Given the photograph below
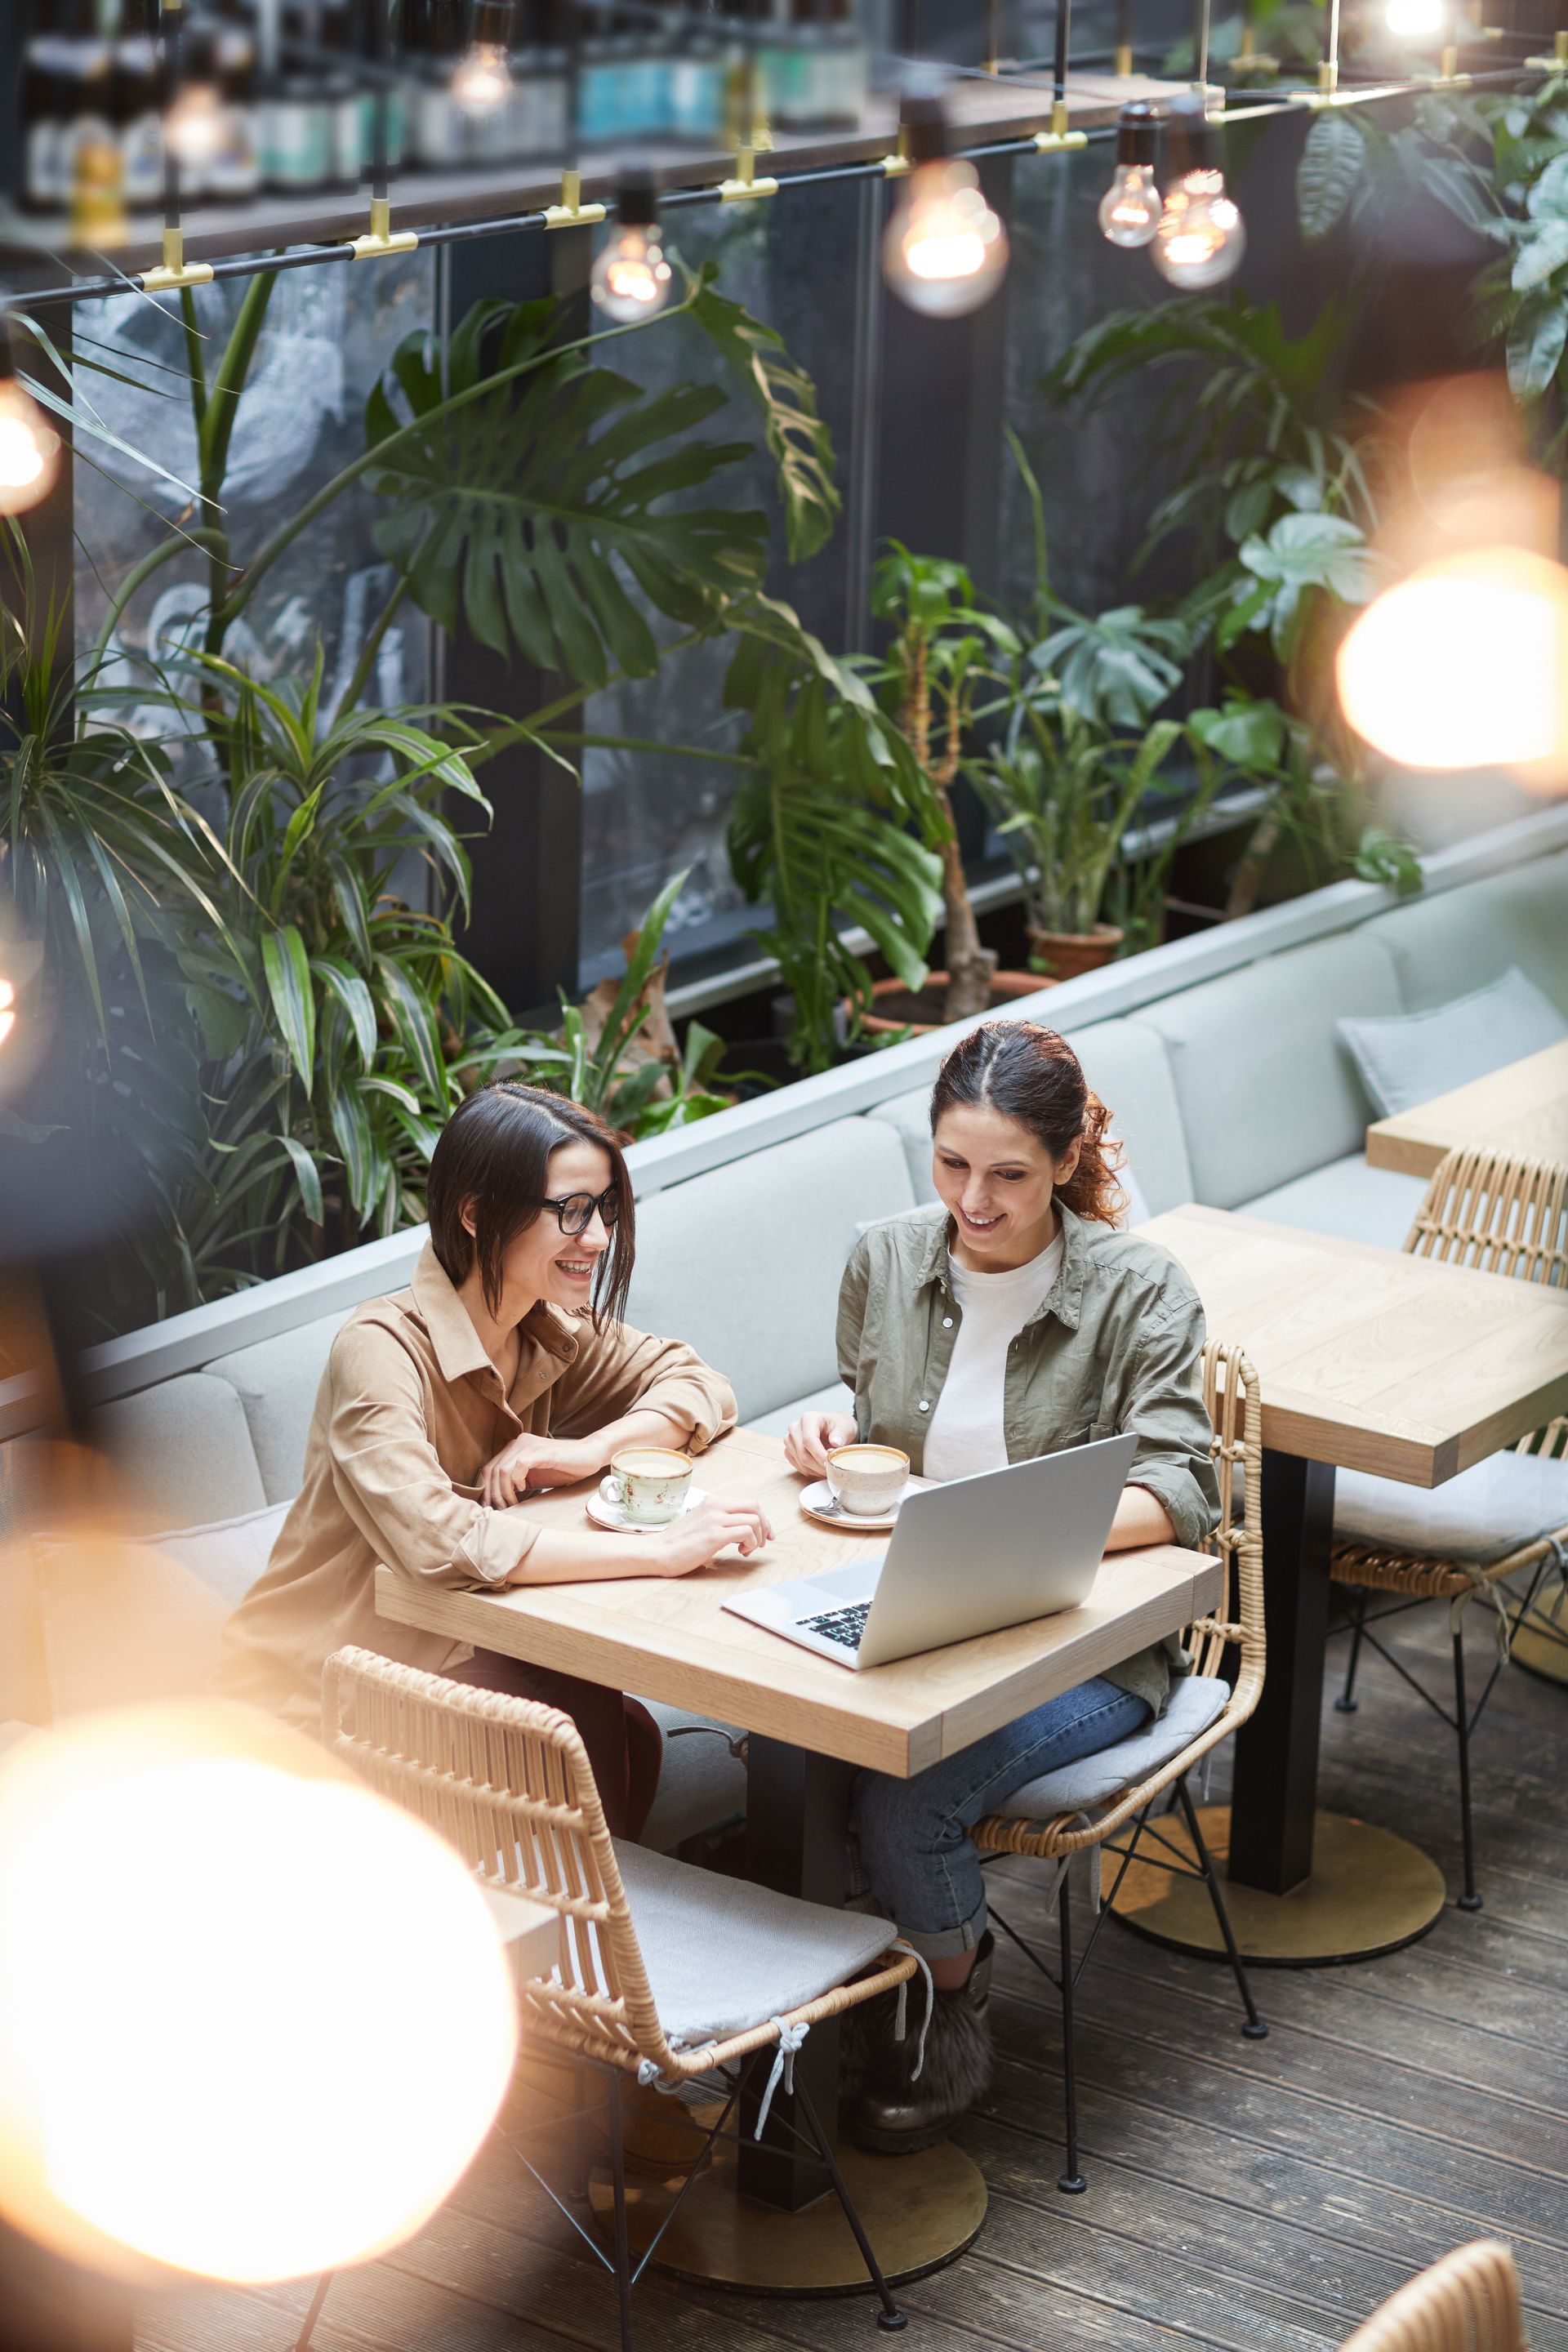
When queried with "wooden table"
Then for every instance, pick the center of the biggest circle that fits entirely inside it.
(1369, 1360)
(811, 1722)
(1521, 1109)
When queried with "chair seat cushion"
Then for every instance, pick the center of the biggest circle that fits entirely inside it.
(1482, 1514)
(701, 1784)
(1093, 1781)
(722, 1955)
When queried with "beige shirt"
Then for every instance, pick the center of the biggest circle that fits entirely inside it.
(409, 1411)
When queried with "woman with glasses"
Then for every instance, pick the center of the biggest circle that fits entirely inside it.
(504, 1366)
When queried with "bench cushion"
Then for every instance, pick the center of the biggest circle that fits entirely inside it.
(276, 1381)
(745, 1263)
(1413, 1056)
(1347, 1198)
(1267, 1090)
(184, 1450)
(835, 1398)
(1460, 940)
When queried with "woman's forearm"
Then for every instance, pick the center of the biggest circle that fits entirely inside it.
(565, 1555)
(1141, 1519)
(644, 1425)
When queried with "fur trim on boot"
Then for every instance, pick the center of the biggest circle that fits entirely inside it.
(897, 2112)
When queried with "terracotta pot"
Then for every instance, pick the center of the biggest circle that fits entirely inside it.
(1066, 953)
(1004, 987)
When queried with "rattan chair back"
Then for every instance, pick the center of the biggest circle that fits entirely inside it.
(1466, 2303)
(1233, 1403)
(508, 1782)
(1496, 1215)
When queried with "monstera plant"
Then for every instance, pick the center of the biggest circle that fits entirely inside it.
(326, 1019)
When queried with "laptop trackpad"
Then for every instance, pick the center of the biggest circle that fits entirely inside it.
(855, 1581)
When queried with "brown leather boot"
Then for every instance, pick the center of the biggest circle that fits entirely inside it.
(899, 2112)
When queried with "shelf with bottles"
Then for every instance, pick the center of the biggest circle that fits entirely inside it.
(279, 112)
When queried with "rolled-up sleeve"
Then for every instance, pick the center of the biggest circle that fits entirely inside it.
(617, 1369)
(1161, 1407)
(389, 1479)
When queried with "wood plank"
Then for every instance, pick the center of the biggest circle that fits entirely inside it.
(671, 1638)
(1521, 1109)
(1369, 1358)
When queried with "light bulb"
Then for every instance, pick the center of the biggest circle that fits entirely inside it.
(29, 449)
(1415, 20)
(1200, 238)
(196, 124)
(271, 1915)
(945, 250)
(483, 78)
(1464, 664)
(631, 278)
(7, 1008)
(1131, 207)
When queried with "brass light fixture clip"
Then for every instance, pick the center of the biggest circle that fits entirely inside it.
(175, 271)
(381, 237)
(745, 182)
(1059, 136)
(572, 212)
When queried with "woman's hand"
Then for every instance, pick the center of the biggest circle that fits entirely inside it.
(813, 1438)
(694, 1539)
(533, 1461)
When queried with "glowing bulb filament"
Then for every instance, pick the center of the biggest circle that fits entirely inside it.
(631, 278)
(945, 249)
(483, 78)
(1130, 208)
(29, 450)
(8, 1009)
(196, 122)
(1200, 238)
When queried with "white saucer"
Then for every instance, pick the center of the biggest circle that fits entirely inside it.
(613, 1516)
(813, 1498)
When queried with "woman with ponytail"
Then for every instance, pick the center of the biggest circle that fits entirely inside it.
(1010, 1321)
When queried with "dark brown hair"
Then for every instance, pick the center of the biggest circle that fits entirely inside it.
(493, 1158)
(1033, 1076)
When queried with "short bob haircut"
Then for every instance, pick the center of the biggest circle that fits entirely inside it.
(493, 1158)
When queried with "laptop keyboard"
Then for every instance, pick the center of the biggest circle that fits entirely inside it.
(844, 1626)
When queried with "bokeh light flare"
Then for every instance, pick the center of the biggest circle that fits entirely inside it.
(255, 2022)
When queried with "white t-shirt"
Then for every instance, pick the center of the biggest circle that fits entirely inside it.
(967, 1430)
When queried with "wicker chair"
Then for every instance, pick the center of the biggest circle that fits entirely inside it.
(1500, 1216)
(1038, 1826)
(508, 1782)
(1466, 2303)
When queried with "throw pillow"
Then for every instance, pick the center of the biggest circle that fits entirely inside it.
(1407, 1059)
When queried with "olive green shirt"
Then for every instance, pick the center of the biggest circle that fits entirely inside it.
(1114, 1347)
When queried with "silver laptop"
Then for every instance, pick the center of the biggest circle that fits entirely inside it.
(967, 1558)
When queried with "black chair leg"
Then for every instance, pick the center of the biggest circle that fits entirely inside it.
(1469, 1900)
(618, 2181)
(890, 2316)
(1346, 1702)
(1254, 2026)
(1072, 2182)
(314, 2310)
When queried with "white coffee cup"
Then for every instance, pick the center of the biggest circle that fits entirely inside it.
(647, 1484)
(868, 1480)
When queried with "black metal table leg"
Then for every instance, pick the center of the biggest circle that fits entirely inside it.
(797, 1811)
(1275, 1795)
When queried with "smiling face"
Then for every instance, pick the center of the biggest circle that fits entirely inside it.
(995, 1180)
(541, 1261)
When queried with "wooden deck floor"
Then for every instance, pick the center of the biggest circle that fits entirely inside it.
(1261, 2196)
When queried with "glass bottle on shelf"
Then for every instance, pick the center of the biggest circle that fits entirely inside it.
(436, 128)
(542, 68)
(696, 97)
(295, 123)
(66, 99)
(235, 173)
(133, 105)
(844, 68)
(341, 91)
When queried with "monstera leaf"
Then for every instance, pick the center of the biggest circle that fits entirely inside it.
(537, 508)
(797, 440)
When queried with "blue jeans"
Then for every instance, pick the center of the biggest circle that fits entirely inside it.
(914, 1847)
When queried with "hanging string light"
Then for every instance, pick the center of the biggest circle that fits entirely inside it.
(631, 278)
(1200, 238)
(945, 251)
(195, 119)
(483, 78)
(29, 447)
(1131, 207)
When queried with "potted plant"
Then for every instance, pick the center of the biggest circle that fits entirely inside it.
(944, 650)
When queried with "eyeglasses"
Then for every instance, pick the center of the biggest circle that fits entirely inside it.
(574, 1214)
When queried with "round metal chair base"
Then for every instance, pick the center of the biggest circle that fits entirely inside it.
(1539, 1651)
(919, 2212)
(1369, 1891)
